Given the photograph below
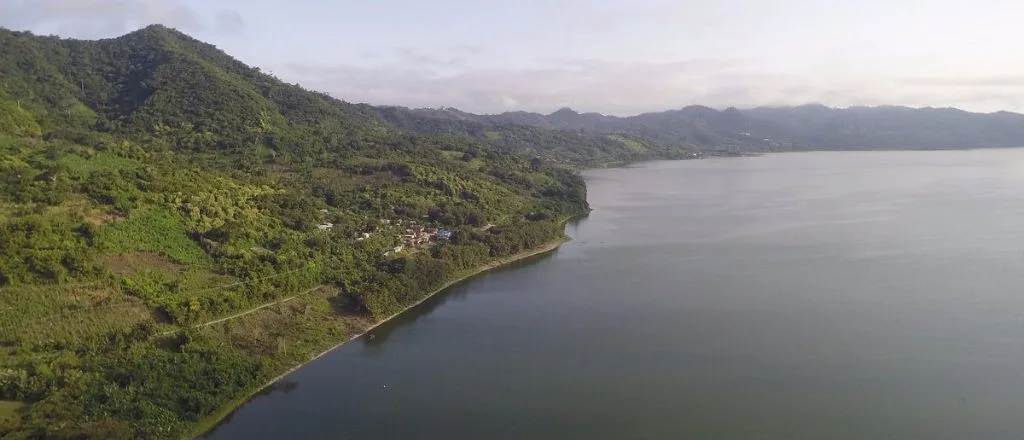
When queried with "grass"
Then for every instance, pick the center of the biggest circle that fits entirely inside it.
(104, 161)
(452, 155)
(84, 326)
(70, 313)
(630, 144)
(155, 230)
(9, 409)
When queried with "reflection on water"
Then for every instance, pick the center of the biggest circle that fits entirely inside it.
(284, 386)
(457, 292)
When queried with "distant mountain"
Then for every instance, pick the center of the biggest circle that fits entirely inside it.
(538, 135)
(808, 127)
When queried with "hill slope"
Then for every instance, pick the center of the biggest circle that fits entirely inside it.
(153, 190)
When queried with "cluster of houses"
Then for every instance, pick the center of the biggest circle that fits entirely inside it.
(418, 235)
(415, 236)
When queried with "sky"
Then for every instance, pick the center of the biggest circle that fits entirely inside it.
(611, 56)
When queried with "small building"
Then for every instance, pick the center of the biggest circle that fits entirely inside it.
(444, 234)
(325, 226)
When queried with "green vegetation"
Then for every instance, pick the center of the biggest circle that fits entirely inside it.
(573, 147)
(9, 410)
(177, 228)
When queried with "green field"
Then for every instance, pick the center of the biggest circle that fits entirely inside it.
(9, 410)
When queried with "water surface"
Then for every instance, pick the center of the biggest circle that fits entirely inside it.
(871, 295)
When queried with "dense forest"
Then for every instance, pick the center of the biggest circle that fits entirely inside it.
(177, 228)
(809, 127)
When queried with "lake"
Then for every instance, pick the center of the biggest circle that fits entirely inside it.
(860, 295)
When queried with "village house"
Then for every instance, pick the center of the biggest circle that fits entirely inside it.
(394, 251)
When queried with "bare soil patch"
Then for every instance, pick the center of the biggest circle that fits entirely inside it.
(100, 217)
(133, 262)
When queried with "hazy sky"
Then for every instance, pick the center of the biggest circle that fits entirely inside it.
(610, 56)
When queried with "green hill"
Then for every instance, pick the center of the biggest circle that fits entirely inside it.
(532, 137)
(177, 228)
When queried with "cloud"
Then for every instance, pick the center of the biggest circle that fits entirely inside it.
(622, 88)
(608, 86)
(601, 18)
(415, 57)
(106, 18)
(230, 21)
(976, 81)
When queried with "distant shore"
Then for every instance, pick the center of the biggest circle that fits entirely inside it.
(208, 423)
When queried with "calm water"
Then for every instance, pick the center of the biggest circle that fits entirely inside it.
(791, 296)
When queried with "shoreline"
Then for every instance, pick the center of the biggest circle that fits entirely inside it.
(210, 422)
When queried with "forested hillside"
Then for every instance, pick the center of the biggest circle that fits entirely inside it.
(176, 228)
(570, 146)
(809, 127)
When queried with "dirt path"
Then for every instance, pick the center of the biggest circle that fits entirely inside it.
(246, 312)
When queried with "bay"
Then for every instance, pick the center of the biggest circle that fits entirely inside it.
(853, 295)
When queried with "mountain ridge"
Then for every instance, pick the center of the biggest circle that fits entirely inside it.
(781, 128)
(808, 105)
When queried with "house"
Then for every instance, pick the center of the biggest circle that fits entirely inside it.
(394, 250)
(444, 234)
(325, 226)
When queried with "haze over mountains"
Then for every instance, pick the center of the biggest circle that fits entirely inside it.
(808, 127)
